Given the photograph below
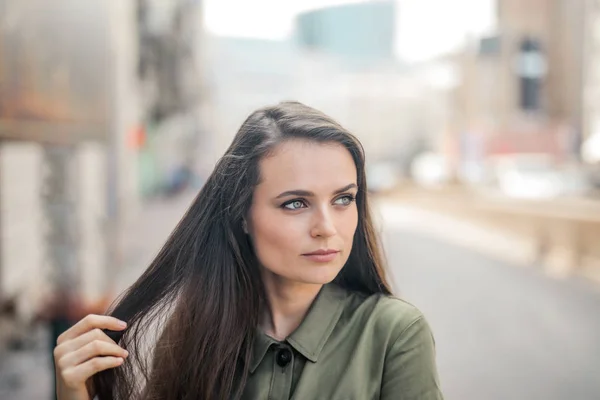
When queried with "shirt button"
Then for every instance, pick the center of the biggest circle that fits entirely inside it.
(283, 357)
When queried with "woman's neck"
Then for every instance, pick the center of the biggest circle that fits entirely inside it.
(288, 303)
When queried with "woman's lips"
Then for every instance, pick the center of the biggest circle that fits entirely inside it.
(322, 256)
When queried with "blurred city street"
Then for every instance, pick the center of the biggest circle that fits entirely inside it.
(480, 122)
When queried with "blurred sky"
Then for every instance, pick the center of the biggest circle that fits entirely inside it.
(425, 27)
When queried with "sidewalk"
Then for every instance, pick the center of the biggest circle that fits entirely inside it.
(393, 214)
(26, 374)
(505, 229)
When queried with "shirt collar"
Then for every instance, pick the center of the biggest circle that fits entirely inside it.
(312, 334)
(262, 342)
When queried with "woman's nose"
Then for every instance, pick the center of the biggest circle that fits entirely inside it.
(323, 225)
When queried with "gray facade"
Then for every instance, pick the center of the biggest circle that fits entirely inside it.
(358, 32)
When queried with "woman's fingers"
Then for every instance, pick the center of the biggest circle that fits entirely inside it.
(89, 323)
(95, 348)
(74, 344)
(85, 350)
(75, 376)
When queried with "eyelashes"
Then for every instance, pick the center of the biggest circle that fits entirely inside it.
(297, 204)
(349, 197)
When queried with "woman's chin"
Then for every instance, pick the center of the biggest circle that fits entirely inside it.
(321, 277)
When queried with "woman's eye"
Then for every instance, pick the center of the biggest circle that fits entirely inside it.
(294, 205)
(344, 200)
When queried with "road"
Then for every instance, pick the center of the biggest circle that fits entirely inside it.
(503, 332)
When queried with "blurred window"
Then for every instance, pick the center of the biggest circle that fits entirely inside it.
(490, 46)
(531, 68)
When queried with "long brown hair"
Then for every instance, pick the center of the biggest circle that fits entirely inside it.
(201, 295)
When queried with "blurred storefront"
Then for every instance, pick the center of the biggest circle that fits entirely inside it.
(521, 87)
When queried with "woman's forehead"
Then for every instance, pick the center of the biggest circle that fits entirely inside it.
(302, 164)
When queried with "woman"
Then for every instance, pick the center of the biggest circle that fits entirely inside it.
(271, 286)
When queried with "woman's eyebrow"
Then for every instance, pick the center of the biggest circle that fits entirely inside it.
(306, 193)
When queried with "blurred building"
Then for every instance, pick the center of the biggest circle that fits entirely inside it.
(340, 60)
(68, 83)
(242, 75)
(392, 109)
(521, 87)
(361, 32)
(92, 99)
(591, 82)
(349, 70)
(170, 37)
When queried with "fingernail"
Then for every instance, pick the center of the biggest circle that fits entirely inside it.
(122, 324)
(126, 353)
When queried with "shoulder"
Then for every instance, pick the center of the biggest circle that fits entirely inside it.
(395, 312)
(399, 342)
(410, 360)
(397, 317)
(388, 317)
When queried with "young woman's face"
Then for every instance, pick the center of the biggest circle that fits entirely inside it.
(303, 214)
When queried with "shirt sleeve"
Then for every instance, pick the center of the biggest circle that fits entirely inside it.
(410, 371)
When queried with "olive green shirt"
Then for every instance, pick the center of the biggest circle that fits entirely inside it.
(348, 347)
